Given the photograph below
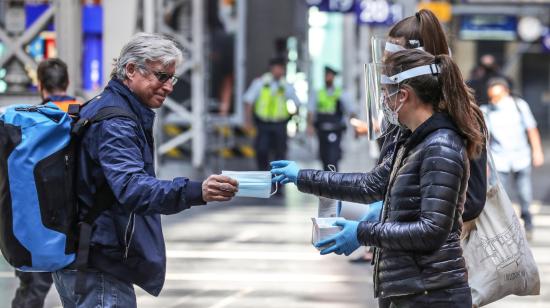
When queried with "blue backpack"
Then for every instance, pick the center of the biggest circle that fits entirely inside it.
(40, 229)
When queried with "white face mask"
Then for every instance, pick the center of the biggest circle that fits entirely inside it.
(391, 115)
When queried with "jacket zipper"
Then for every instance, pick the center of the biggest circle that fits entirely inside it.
(383, 217)
(128, 241)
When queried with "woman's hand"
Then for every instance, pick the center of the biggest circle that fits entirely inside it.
(285, 171)
(345, 242)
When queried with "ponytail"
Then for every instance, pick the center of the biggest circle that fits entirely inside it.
(458, 101)
(431, 33)
(425, 28)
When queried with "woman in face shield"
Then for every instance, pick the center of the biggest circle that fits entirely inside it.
(418, 261)
(354, 186)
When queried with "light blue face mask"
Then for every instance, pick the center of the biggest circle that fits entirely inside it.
(256, 184)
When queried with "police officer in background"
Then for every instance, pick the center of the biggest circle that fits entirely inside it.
(328, 110)
(266, 107)
(53, 80)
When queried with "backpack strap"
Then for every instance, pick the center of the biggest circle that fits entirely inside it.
(113, 112)
(103, 198)
(106, 113)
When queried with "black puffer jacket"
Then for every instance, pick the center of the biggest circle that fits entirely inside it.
(418, 239)
(476, 194)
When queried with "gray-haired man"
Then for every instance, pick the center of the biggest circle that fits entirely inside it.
(116, 155)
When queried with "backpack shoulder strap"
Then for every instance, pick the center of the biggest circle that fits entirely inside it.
(112, 112)
(523, 122)
(104, 197)
(105, 113)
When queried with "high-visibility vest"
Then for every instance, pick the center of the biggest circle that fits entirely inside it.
(271, 107)
(328, 104)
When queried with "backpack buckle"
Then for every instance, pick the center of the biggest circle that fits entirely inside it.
(73, 110)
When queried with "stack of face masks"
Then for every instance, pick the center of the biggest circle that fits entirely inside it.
(323, 228)
(255, 184)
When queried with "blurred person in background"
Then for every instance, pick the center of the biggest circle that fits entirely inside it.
(481, 74)
(515, 143)
(328, 110)
(266, 108)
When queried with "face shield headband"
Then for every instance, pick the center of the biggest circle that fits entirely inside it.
(430, 69)
(391, 47)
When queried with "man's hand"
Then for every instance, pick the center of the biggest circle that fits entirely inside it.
(219, 188)
(538, 159)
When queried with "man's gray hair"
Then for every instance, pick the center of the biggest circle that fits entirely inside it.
(143, 48)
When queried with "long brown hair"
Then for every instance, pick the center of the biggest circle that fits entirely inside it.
(425, 28)
(446, 92)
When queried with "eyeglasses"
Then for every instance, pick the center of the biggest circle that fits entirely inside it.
(163, 77)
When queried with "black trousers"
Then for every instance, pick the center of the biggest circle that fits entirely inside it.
(270, 143)
(330, 149)
(460, 297)
(32, 290)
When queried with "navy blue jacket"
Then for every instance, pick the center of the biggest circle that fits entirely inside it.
(127, 240)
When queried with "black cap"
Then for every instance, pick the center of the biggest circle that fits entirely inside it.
(277, 61)
(329, 69)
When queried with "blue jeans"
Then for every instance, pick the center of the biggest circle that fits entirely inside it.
(102, 291)
(520, 181)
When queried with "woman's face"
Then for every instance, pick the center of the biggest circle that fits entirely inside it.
(394, 40)
(397, 40)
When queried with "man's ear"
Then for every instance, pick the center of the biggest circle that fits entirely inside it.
(131, 70)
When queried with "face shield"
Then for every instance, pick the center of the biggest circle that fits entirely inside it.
(378, 91)
(382, 46)
(383, 83)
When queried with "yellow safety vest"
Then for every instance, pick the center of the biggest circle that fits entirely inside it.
(328, 104)
(271, 107)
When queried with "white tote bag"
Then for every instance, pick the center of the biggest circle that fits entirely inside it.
(498, 257)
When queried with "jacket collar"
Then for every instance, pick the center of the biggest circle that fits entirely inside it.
(437, 121)
(145, 114)
(58, 98)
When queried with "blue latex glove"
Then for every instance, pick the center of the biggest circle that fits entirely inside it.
(345, 242)
(373, 213)
(285, 171)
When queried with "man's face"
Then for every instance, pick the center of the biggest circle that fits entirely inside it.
(497, 92)
(146, 85)
(329, 78)
(277, 71)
